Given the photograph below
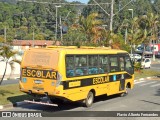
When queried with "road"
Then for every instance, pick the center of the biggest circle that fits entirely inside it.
(7, 82)
(144, 97)
(155, 66)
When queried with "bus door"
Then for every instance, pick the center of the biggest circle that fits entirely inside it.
(122, 83)
(125, 65)
(122, 69)
(128, 65)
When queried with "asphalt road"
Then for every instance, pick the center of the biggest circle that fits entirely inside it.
(155, 66)
(7, 82)
(144, 97)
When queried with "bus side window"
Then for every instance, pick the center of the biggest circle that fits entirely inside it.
(114, 64)
(128, 67)
(103, 64)
(81, 65)
(70, 66)
(93, 64)
(122, 63)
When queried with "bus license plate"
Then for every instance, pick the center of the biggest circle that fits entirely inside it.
(38, 81)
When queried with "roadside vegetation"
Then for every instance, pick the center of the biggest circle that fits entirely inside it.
(8, 56)
(82, 25)
(10, 94)
(143, 73)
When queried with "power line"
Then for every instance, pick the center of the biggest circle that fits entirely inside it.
(72, 4)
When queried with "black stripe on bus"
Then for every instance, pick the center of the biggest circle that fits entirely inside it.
(94, 81)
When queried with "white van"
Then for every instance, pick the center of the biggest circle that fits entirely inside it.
(146, 63)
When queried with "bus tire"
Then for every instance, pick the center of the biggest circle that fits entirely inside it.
(89, 100)
(123, 94)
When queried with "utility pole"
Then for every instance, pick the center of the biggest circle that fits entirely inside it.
(126, 32)
(33, 38)
(132, 32)
(56, 21)
(61, 29)
(5, 34)
(111, 16)
(154, 50)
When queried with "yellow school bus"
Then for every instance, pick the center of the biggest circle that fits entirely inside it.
(76, 74)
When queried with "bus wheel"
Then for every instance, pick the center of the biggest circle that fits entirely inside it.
(89, 100)
(124, 93)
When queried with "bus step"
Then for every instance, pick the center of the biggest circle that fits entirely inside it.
(41, 103)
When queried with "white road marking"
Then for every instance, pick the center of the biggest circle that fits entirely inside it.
(137, 82)
(148, 83)
(155, 85)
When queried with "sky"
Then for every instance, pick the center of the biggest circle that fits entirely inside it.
(82, 1)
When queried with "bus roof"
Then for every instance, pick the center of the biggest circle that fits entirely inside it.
(81, 50)
(86, 50)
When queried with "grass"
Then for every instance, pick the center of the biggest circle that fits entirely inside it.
(10, 94)
(146, 73)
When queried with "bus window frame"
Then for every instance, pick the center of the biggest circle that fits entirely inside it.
(79, 67)
(131, 63)
(124, 55)
(74, 55)
(75, 67)
(108, 65)
(97, 66)
(118, 68)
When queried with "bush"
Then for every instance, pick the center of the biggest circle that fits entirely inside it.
(137, 66)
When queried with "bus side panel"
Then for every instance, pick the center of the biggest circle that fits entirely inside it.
(61, 65)
(76, 94)
(114, 87)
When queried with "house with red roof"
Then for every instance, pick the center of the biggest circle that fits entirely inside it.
(22, 45)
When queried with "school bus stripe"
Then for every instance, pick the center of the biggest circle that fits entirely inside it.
(90, 81)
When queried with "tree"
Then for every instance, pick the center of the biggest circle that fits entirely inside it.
(74, 37)
(8, 57)
(134, 33)
(91, 26)
(156, 6)
(1, 39)
(151, 24)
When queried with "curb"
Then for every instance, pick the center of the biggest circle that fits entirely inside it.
(147, 78)
(13, 105)
(15, 78)
(6, 106)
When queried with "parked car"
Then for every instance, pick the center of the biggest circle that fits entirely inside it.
(145, 63)
(158, 54)
(135, 57)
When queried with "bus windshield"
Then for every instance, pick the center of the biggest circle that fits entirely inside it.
(44, 58)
